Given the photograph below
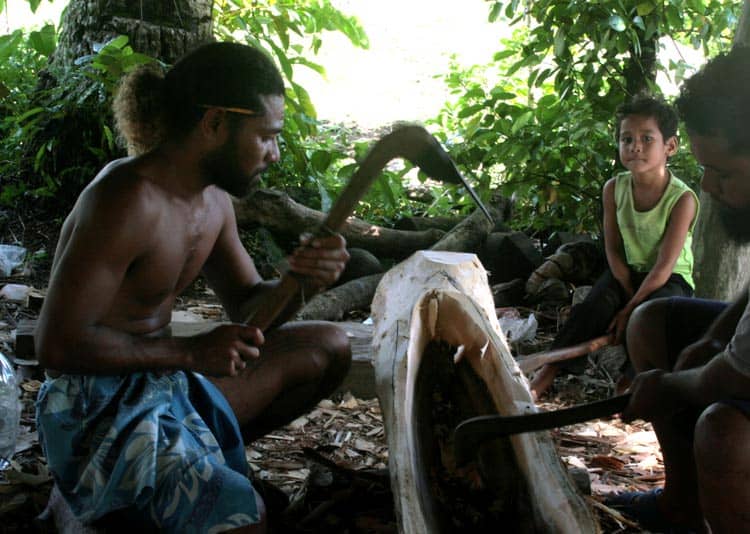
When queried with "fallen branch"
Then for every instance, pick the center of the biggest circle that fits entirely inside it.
(277, 212)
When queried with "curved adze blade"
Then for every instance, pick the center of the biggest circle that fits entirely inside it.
(412, 143)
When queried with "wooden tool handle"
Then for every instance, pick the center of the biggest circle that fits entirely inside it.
(266, 310)
(534, 361)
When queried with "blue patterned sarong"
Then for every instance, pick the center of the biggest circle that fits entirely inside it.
(165, 447)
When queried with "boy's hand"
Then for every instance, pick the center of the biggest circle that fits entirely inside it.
(618, 325)
(321, 259)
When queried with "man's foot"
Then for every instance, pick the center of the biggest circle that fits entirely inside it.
(542, 380)
(643, 507)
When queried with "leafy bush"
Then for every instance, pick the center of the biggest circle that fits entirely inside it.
(67, 107)
(537, 123)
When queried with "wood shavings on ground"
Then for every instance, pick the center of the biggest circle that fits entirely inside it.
(331, 464)
(348, 432)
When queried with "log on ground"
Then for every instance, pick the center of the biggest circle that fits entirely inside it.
(281, 215)
(440, 356)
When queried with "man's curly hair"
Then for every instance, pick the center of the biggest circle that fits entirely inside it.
(716, 100)
(138, 109)
(151, 105)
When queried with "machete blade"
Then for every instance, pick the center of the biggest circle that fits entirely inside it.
(471, 433)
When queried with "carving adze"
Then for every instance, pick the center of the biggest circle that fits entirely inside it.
(412, 143)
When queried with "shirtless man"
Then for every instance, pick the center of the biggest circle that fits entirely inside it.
(693, 355)
(137, 424)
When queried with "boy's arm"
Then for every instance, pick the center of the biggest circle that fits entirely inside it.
(680, 220)
(613, 245)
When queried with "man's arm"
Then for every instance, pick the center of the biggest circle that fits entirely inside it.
(109, 232)
(233, 276)
(659, 394)
(716, 337)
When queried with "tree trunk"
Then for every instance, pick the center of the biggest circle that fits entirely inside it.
(721, 265)
(441, 357)
(164, 29)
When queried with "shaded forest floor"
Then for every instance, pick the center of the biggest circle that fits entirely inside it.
(332, 463)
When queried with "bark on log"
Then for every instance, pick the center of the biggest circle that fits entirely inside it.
(333, 304)
(424, 223)
(469, 235)
(437, 297)
(281, 215)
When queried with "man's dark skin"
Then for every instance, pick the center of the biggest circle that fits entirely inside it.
(143, 230)
(708, 474)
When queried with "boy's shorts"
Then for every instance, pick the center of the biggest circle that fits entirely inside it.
(164, 449)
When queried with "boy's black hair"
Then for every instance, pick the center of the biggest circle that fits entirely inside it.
(647, 105)
(716, 100)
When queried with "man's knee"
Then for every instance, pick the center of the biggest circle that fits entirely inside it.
(721, 436)
(646, 330)
(649, 316)
(335, 356)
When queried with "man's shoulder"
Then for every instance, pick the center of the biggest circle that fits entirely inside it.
(118, 188)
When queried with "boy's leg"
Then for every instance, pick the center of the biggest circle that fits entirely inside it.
(587, 320)
(300, 363)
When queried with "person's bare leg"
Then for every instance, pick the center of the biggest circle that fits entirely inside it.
(300, 364)
(647, 345)
(543, 379)
(723, 460)
(647, 349)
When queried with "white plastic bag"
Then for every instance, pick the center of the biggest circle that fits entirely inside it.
(11, 256)
(519, 329)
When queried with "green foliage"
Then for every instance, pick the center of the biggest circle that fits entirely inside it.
(537, 123)
(77, 102)
(292, 33)
(72, 102)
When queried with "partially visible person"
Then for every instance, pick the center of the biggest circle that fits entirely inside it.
(142, 429)
(649, 215)
(693, 355)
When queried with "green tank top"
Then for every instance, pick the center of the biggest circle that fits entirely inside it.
(642, 231)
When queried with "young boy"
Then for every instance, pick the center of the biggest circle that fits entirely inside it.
(649, 216)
